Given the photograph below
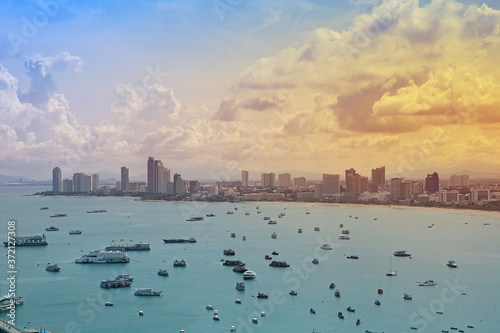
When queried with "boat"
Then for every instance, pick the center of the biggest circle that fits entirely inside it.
(52, 268)
(262, 295)
(37, 240)
(391, 272)
(216, 312)
(358, 322)
(377, 302)
(209, 307)
(274, 253)
(427, 283)
(452, 264)
(240, 286)
(300, 231)
(104, 257)
(266, 218)
(198, 218)
(353, 257)
(255, 320)
(230, 212)
(380, 290)
(407, 296)
(210, 215)
(240, 269)
(337, 293)
(162, 272)
(350, 309)
(125, 277)
(259, 212)
(75, 232)
(141, 313)
(355, 217)
(402, 254)
(244, 238)
(216, 318)
(340, 315)
(274, 235)
(316, 228)
(235, 208)
(232, 328)
(147, 292)
(315, 261)
(44, 208)
(268, 257)
(97, 211)
(341, 225)
(233, 234)
(128, 247)
(346, 232)
(51, 228)
(180, 263)
(180, 240)
(312, 311)
(249, 275)
(233, 263)
(238, 301)
(115, 283)
(326, 247)
(293, 292)
(272, 222)
(332, 285)
(108, 304)
(229, 252)
(279, 264)
(59, 215)
(307, 213)
(345, 237)
(247, 213)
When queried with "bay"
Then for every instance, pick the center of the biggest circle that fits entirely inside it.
(72, 301)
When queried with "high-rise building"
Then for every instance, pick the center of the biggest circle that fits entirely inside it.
(95, 182)
(162, 177)
(397, 188)
(348, 180)
(194, 186)
(378, 176)
(432, 183)
(284, 180)
(151, 175)
(57, 181)
(459, 180)
(318, 190)
(244, 178)
(124, 178)
(300, 181)
(479, 195)
(268, 180)
(67, 186)
(359, 184)
(331, 184)
(179, 186)
(81, 183)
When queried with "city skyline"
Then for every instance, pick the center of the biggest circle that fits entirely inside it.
(316, 86)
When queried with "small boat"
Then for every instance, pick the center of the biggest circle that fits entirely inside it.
(259, 212)
(316, 228)
(326, 247)
(337, 293)
(300, 231)
(210, 215)
(244, 238)
(346, 232)
(262, 295)
(355, 217)
(307, 213)
(59, 215)
(344, 237)
(439, 312)
(274, 235)
(341, 316)
(255, 320)
(427, 283)
(44, 208)
(353, 257)
(216, 317)
(272, 222)
(52, 268)
(274, 253)
(268, 257)
(377, 302)
(247, 213)
(380, 290)
(402, 254)
(230, 212)
(293, 292)
(249, 275)
(233, 234)
(240, 286)
(240, 269)
(341, 225)
(233, 328)
(279, 264)
(216, 311)
(263, 314)
(228, 252)
(162, 272)
(209, 307)
(315, 261)
(52, 228)
(147, 292)
(332, 285)
(108, 304)
(350, 309)
(75, 232)
(452, 264)
(358, 322)
(238, 301)
(391, 273)
(197, 218)
(407, 296)
(141, 313)
(312, 311)
(266, 218)
(97, 211)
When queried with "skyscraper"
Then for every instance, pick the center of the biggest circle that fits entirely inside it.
(244, 178)
(95, 182)
(268, 180)
(124, 178)
(432, 183)
(348, 180)
(397, 188)
(151, 175)
(459, 180)
(284, 180)
(81, 183)
(57, 181)
(331, 184)
(378, 176)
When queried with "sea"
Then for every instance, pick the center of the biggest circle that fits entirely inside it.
(466, 298)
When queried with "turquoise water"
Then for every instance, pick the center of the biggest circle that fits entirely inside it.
(72, 301)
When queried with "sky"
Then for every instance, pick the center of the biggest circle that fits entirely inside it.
(213, 87)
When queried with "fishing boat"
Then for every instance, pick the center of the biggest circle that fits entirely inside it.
(340, 315)
(350, 309)
(407, 296)
(315, 261)
(380, 290)
(75, 232)
(162, 272)
(180, 263)
(228, 252)
(337, 293)
(249, 275)
(312, 311)
(332, 285)
(293, 292)
(326, 247)
(401, 254)
(262, 295)
(52, 268)
(377, 302)
(240, 286)
(51, 228)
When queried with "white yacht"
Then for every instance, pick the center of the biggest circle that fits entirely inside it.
(326, 247)
(104, 257)
(147, 292)
(427, 283)
(452, 264)
(249, 275)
